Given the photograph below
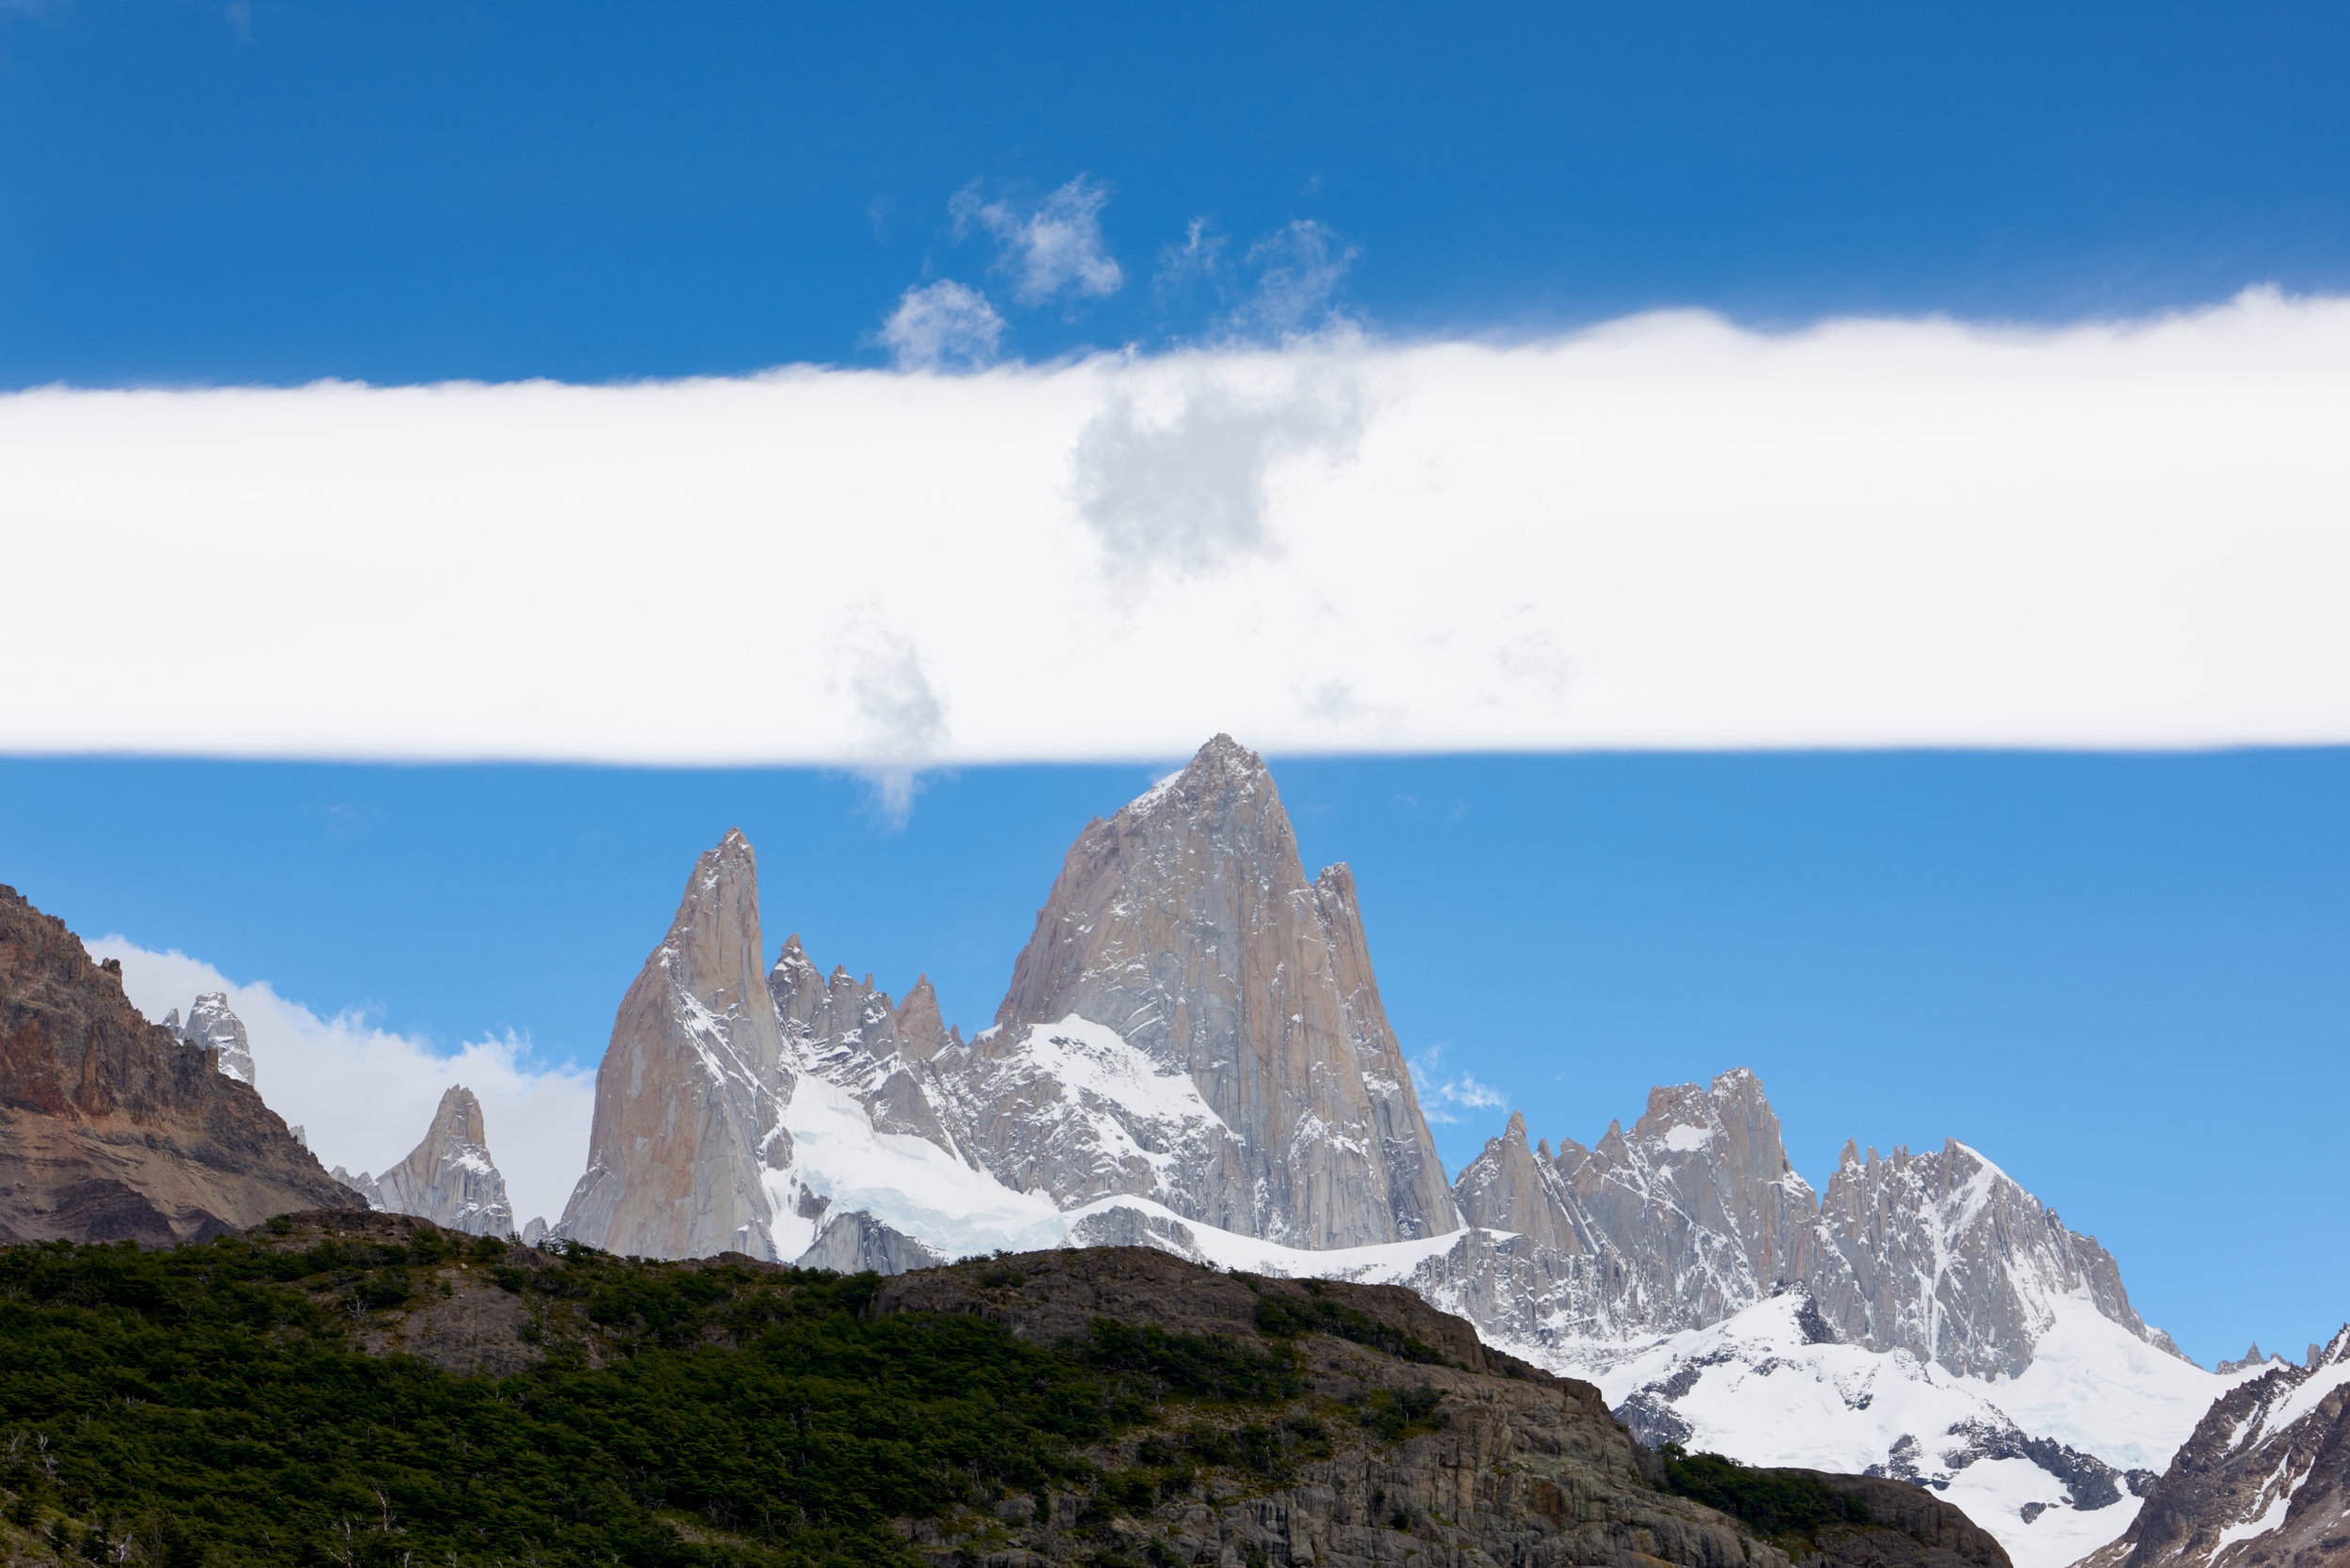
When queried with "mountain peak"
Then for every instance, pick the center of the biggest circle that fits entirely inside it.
(1221, 767)
(460, 1116)
(1185, 925)
(450, 1178)
(685, 1116)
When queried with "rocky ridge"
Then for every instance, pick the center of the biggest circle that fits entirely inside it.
(1697, 1213)
(115, 1128)
(2264, 1479)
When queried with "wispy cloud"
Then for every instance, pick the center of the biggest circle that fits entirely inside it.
(1289, 284)
(1300, 272)
(1053, 247)
(1442, 1097)
(365, 1096)
(943, 326)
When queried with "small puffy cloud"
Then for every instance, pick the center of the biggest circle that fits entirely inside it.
(1442, 1098)
(1183, 486)
(1053, 248)
(942, 325)
(365, 1096)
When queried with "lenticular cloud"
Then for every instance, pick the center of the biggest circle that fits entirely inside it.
(1667, 531)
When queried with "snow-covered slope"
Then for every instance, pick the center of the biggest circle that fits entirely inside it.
(2053, 1463)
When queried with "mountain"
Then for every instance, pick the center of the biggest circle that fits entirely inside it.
(212, 1027)
(2263, 1479)
(1925, 1317)
(111, 1127)
(1192, 1056)
(450, 1178)
(1193, 1022)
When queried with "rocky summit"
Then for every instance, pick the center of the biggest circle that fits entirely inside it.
(1185, 926)
(450, 1178)
(115, 1128)
(210, 1027)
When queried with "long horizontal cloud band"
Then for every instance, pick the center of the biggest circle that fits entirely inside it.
(1666, 532)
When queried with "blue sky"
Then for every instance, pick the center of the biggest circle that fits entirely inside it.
(264, 192)
(1936, 710)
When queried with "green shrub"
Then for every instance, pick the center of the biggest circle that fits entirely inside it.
(1283, 1318)
(212, 1402)
(1768, 1502)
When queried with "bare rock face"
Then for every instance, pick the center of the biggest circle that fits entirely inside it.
(1194, 1022)
(1702, 1209)
(1947, 1255)
(2266, 1478)
(1508, 1188)
(686, 1118)
(1691, 1215)
(450, 1178)
(110, 1127)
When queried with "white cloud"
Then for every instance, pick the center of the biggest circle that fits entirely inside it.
(1441, 1098)
(1054, 247)
(365, 1097)
(1185, 485)
(1662, 532)
(941, 327)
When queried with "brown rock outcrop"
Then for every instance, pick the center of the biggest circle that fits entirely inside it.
(109, 1126)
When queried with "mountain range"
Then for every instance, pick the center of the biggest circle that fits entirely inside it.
(1192, 1056)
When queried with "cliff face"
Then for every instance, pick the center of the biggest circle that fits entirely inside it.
(2264, 1479)
(113, 1128)
(1210, 1016)
(686, 1116)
